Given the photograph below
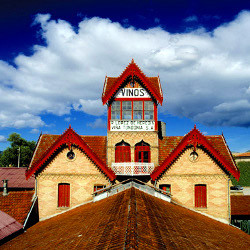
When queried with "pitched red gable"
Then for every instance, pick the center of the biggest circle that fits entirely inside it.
(93, 146)
(17, 204)
(149, 223)
(113, 84)
(171, 147)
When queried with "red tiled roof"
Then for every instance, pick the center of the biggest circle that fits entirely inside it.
(113, 84)
(246, 154)
(240, 204)
(131, 220)
(16, 178)
(17, 204)
(168, 151)
(93, 146)
(8, 225)
(96, 143)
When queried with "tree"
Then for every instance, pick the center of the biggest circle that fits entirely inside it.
(9, 156)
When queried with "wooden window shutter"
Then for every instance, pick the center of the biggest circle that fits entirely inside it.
(63, 195)
(200, 195)
(122, 153)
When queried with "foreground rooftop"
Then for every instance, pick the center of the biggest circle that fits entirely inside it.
(131, 219)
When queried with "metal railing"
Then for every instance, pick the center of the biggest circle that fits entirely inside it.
(132, 168)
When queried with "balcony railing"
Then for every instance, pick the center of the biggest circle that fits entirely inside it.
(132, 168)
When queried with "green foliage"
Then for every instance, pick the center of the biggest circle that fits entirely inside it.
(9, 157)
(244, 181)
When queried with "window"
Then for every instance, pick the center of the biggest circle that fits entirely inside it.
(137, 109)
(122, 152)
(142, 152)
(116, 110)
(148, 110)
(200, 195)
(127, 110)
(98, 187)
(63, 194)
(165, 187)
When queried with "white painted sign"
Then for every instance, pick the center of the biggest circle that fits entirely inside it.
(132, 125)
(132, 93)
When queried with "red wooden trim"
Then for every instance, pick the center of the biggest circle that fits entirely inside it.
(141, 149)
(200, 194)
(109, 117)
(121, 110)
(133, 99)
(143, 110)
(132, 110)
(70, 137)
(131, 70)
(155, 117)
(194, 138)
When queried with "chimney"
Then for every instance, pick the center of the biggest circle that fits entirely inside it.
(161, 129)
(5, 186)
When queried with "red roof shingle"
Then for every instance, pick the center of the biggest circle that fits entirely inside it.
(8, 225)
(131, 220)
(113, 84)
(169, 143)
(16, 178)
(17, 204)
(240, 204)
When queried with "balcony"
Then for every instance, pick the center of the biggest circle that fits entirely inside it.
(132, 168)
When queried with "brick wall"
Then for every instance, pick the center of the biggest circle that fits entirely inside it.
(80, 173)
(184, 174)
(132, 138)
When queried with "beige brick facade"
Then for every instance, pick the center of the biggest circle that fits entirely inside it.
(133, 138)
(184, 174)
(80, 173)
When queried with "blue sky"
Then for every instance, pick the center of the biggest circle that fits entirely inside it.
(54, 57)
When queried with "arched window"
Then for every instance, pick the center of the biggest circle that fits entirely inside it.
(122, 152)
(63, 194)
(142, 152)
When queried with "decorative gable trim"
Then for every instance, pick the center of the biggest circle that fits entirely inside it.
(195, 138)
(69, 138)
(132, 70)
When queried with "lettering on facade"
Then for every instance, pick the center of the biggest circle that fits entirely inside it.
(132, 93)
(121, 125)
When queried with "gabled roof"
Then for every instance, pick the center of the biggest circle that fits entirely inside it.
(113, 84)
(170, 148)
(149, 223)
(246, 154)
(17, 204)
(93, 146)
(16, 178)
(8, 225)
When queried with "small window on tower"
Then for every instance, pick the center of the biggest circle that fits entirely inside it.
(148, 110)
(137, 106)
(126, 110)
(116, 110)
(98, 187)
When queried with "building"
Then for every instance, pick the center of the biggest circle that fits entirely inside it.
(18, 202)
(242, 156)
(130, 219)
(194, 168)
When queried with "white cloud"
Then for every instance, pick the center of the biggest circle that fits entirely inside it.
(191, 19)
(98, 123)
(205, 75)
(34, 131)
(2, 138)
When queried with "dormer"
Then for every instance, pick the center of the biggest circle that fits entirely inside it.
(132, 100)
